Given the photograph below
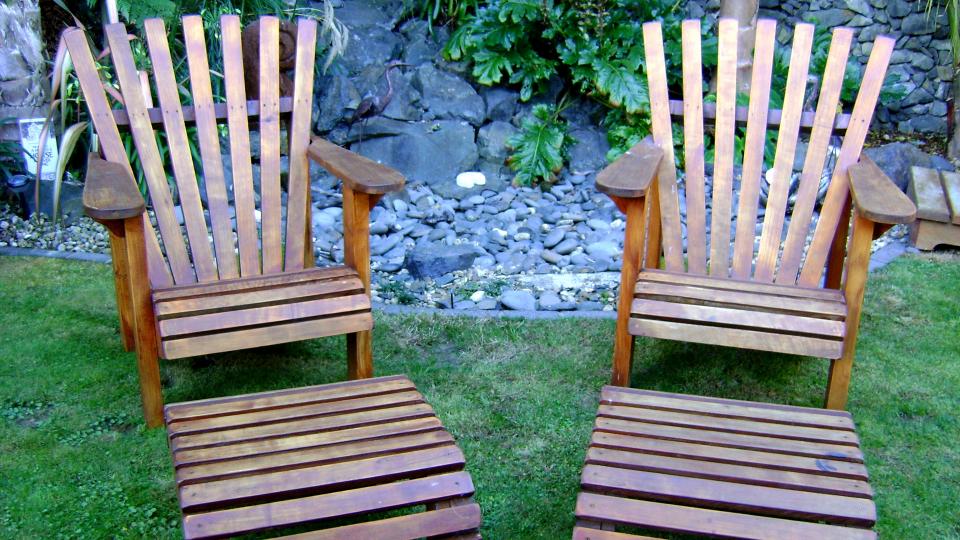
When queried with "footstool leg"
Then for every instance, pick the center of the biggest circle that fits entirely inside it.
(360, 355)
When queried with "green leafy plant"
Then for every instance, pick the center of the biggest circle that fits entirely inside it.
(540, 147)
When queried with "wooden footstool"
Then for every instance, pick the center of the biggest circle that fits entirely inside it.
(328, 455)
(720, 467)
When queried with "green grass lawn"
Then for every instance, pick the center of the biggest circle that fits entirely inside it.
(519, 396)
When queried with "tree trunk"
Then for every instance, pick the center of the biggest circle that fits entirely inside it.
(745, 12)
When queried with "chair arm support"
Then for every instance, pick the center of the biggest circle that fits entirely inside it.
(876, 197)
(110, 192)
(631, 174)
(357, 172)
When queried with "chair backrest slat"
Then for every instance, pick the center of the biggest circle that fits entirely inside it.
(269, 127)
(827, 104)
(720, 222)
(298, 184)
(754, 145)
(837, 195)
(782, 172)
(663, 136)
(149, 155)
(180, 155)
(208, 140)
(239, 131)
(109, 138)
(693, 147)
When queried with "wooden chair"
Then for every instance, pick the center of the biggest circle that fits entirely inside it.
(256, 284)
(770, 294)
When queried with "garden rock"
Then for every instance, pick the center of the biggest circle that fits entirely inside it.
(895, 159)
(337, 98)
(492, 140)
(590, 151)
(433, 261)
(446, 95)
(501, 103)
(518, 300)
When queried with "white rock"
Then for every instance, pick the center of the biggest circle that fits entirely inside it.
(477, 296)
(470, 179)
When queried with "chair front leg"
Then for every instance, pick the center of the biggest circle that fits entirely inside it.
(356, 254)
(632, 254)
(858, 261)
(144, 320)
(121, 281)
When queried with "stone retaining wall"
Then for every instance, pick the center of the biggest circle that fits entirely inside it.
(921, 61)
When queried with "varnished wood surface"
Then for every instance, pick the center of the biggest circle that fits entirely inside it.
(876, 197)
(317, 455)
(631, 174)
(715, 467)
(356, 171)
(110, 192)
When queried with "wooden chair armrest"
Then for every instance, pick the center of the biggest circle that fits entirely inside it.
(357, 172)
(630, 175)
(876, 197)
(110, 192)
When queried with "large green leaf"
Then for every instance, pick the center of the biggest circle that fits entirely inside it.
(489, 67)
(622, 86)
(538, 147)
(519, 10)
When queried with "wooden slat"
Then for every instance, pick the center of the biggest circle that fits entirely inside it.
(269, 127)
(254, 316)
(291, 413)
(662, 131)
(951, 188)
(742, 285)
(733, 456)
(150, 160)
(782, 172)
(208, 139)
(693, 148)
(190, 113)
(686, 519)
(838, 194)
(735, 337)
(239, 146)
(289, 429)
(588, 533)
(770, 501)
(268, 447)
(774, 118)
(729, 425)
(728, 408)
(357, 501)
(723, 148)
(731, 440)
(742, 474)
(109, 137)
(335, 476)
(445, 521)
(926, 191)
(755, 144)
(267, 335)
(298, 185)
(310, 457)
(252, 283)
(814, 161)
(206, 408)
(258, 297)
(180, 155)
(745, 300)
(727, 317)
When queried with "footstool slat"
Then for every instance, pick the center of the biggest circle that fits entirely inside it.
(743, 474)
(715, 467)
(700, 521)
(298, 427)
(458, 519)
(729, 425)
(329, 505)
(734, 456)
(311, 440)
(586, 533)
(320, 454)
(206, 408)
(731, 440)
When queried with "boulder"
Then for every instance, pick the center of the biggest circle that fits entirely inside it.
(501, 103)
(589, 151)
(492, 140)
(895, 159)
(432, 260)
(337, 98)
(447, 96)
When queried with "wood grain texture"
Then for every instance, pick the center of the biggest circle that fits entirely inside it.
(190, 113)
(453, 520)
(632, 252)
(208, 139)
(299, 212)
(723, 148)
(271, 238)
(838, 193)
(755, 145)
(144, 323)
(926, 191)
(694, 147)
(109, 191)
(813, 164)
(774, 118)
(951, 188)
(631, 174)
(780, 176)
(356, 254)
(180, 156)
(876, 197)
(357, 172)
(662, 130)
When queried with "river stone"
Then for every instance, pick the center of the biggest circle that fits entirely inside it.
(435, 260)
(518, 300)
(566, 247)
